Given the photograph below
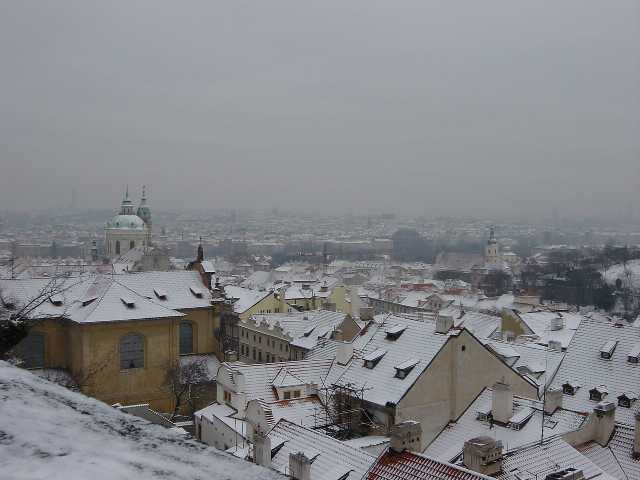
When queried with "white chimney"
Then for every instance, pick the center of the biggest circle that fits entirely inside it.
(355, 302)
(552, 400)
(444, 323)
(636, 438)
(261, 449)
(406, 435)
(502, 402)
(605, 422)
(344, 352)
(483, 455)
(299, 466)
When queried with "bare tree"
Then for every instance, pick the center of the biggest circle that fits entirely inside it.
(16, 318)
(185, 381)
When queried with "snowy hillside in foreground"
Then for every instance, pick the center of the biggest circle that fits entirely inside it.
(617, 271)
(47, 431)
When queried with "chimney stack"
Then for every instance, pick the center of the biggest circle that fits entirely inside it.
(230, 356)
(261, 449)
(366, 314)
(483, 455)
(344, 352)
(406, 435)
(299, 466)
(552, 400)
(502, 402)
(605, 422)
(444, 323)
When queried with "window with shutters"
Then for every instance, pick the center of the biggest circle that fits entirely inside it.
(131, 351)
(31, 350)
(186, 338)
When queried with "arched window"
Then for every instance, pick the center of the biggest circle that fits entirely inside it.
(186, 338)
(132, 244)
(131, 351)
(31, 350)
(117, 247)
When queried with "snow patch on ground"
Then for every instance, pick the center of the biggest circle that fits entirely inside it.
(47, 431)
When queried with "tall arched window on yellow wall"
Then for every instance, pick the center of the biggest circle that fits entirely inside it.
(186, 338)
(132, 244)
(117, 247)
(131, 351)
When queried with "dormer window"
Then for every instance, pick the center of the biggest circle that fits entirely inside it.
(372, 359)
(394, 332)
(607, 349)
(403, 369)
(626, 399)
(570, 388)
(597, 394)
(196, 291)
(634, 355)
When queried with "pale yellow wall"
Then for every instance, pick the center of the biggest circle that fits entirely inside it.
(338, 297)
(268, 304)
(453, 380)
(90, 353)
(511, 322)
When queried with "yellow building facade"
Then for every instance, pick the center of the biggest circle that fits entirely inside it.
(125, 358)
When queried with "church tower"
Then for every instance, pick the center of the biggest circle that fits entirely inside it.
(491, 252)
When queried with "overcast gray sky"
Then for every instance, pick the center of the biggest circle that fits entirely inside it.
(434, 107)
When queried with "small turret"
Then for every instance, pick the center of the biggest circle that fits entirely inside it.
(144, 211)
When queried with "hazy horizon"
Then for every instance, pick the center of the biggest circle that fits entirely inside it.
(490, 109)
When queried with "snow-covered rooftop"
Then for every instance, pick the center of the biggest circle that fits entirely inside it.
(51, 432)
(583, 365)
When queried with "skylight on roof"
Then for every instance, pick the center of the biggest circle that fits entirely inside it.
(128, 301)
(372, 359)
(196, 291)
(161, 293)
(634, 354)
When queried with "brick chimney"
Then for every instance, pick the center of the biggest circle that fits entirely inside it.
(299, 466)
(406, 435)
(483, 455)
(261, 449)
(502, 402)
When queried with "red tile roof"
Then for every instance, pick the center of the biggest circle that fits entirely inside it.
(409, 466)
